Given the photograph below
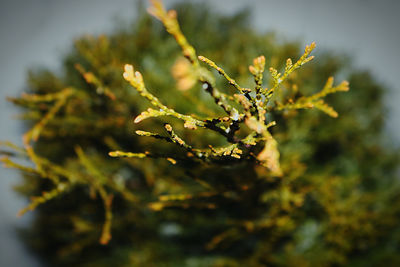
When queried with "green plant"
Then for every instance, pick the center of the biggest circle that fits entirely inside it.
(225, 193)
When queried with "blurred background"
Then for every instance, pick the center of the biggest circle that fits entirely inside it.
(40, 32)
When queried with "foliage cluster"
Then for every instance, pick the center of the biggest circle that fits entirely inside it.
(236, 175)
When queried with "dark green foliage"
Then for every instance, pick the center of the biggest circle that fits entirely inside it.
(336, 203)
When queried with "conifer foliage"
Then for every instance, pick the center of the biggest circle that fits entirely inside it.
(224, 163)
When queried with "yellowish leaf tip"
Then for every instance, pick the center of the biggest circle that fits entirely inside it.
(156, 206)
(139, 132)
(168, 127)
(172, 14)
(128, 74)
(105, 238)
(173, 161)
(113, 154)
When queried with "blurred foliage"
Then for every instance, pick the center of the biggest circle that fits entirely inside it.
(335, 203)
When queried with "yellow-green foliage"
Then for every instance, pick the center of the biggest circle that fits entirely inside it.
(235, 169)
(254, 105)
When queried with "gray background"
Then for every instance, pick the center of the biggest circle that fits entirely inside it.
(39, 32)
